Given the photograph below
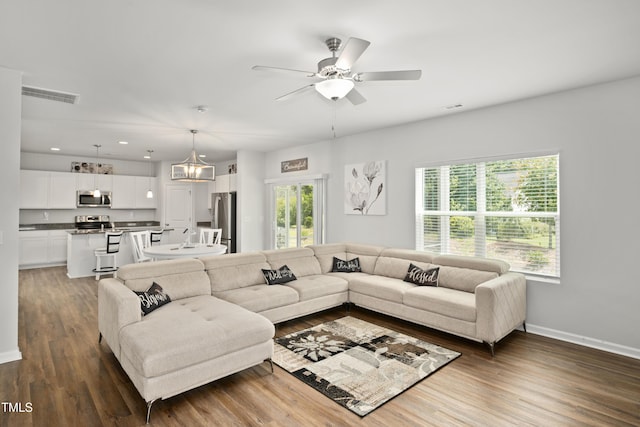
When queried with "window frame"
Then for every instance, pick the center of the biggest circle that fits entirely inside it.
(480, 214)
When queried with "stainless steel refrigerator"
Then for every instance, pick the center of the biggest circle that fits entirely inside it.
(224, 216)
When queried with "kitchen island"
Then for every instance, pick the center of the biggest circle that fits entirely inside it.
(81, 245)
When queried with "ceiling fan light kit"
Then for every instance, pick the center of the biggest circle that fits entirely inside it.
(192, 169)
(334, 89)
(336, 79)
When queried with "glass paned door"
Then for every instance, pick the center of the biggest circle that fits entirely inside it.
(295, 211)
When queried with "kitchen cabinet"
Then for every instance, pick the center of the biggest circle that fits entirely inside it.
(142, 186)
(47, 190)
(223, 184)
(124, 194)
(61, 194)
(88, 181)
(42, 247)
(34, 189)
(130, 192)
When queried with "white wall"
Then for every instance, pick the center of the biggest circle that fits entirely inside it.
(10, 122)
(250, 202)
(597, 132)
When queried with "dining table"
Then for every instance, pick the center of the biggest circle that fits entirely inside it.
(181, 250)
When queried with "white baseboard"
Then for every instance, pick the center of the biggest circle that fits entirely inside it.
(585, 341)
(10, 356)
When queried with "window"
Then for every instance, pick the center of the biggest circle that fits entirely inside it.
(296, 213)
(506, 209)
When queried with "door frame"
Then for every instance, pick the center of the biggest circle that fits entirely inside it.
(319, 202)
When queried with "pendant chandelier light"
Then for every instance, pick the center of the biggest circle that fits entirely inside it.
(149, 191)
(96, 191)
(192, 169)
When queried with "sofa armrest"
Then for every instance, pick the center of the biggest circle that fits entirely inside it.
(501, 306)
(118, 307)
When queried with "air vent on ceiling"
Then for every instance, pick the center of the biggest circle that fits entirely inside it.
(51, 95)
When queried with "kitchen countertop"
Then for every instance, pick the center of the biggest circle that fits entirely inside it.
(120, 225)
(123, 229)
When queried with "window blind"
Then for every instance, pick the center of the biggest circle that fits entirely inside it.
(506, 209)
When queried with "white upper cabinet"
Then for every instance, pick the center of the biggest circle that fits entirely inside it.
(130, 192)
(34, 189)
(47, 190)
(124, 192)
(61, 190)
(57, 190)
(143, 185)
(88, 181)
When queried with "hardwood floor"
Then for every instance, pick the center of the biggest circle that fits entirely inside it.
(71, 380)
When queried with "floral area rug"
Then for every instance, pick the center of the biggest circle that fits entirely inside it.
(357, 364)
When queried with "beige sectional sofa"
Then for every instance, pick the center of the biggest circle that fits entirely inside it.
(222, 312)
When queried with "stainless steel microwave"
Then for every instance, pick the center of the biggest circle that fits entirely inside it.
(86, 199)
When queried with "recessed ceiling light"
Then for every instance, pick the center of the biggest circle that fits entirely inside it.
(54, 149)
(122, 142)
(202, 108)
(147, 156)
(202, 155)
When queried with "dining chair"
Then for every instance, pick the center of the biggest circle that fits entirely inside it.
(210, 236)
(140, 240)
(109, 251)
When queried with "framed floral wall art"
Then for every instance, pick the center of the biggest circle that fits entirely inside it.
(365, 188)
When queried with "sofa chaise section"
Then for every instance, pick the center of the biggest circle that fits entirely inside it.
(193, 340)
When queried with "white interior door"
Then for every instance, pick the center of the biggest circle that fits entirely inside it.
(178, 211)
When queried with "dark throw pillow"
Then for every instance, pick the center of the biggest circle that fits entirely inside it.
(421, 277)
(342, 266)
(152, 298)
(279, 276)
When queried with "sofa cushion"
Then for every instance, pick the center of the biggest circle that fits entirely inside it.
(344, 266)
(152, 298)
(447, 302)
(180, 334)
(180, 278)
(325, 253)
(279, 276)
(380, 287)
(463, 279)
(233, 271)
(259, 298)
(420, 277)
(310, 287)
(397, 267)
(301, 261)
(473, 263)
(367, 255)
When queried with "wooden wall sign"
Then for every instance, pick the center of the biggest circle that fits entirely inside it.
(294, 165)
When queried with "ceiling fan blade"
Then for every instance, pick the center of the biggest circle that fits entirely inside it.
(284, 70)
(388, 75)
(355, 97)
(295, 92)
(351, 52)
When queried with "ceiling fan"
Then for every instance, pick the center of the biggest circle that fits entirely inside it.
(337, 81)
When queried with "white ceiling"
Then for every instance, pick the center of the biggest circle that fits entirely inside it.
(142, 66)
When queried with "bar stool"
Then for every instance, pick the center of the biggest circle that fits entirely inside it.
(110, 251)
(156, 236)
